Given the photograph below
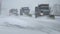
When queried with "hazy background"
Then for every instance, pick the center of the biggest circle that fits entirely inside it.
(9, 4)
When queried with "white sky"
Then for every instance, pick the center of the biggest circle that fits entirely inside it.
(30, 3)
(9, 4)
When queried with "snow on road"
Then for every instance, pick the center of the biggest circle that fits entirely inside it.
(42, 24)
(14, 30)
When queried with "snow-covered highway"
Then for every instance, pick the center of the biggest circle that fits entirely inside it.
(29, 25)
